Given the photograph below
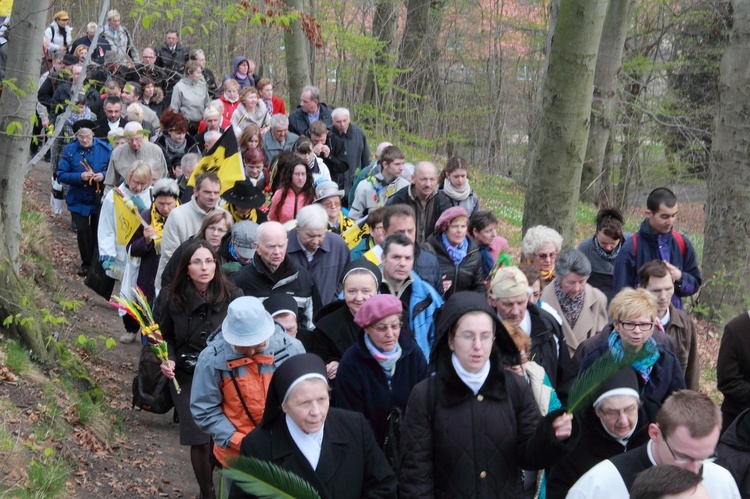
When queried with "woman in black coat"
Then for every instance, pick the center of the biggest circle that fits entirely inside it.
(332, 449)
(335, 330)
(459, 256)
(192, 306)
(471, 427)
(376, 374)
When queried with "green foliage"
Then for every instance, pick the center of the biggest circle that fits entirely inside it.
(16, 358)
(589, 381)
(47, 476)
(91, 345)
(267, 480)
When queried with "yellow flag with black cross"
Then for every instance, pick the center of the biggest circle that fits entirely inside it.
(127, 218)
(224, 160)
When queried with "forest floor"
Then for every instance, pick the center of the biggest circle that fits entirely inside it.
(122, 453)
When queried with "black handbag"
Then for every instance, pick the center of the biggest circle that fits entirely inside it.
(97, 279)
(150, 387)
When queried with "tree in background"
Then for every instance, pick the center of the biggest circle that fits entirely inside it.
(558, 153)
(726, 268)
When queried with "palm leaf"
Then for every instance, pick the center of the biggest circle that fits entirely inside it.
(589, 381)
(268, 481)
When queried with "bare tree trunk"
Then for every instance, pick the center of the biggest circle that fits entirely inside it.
(608, 64)
(384, 26)
(27, 22)
(629, 164)
(727, 232)
(297, 58)
(555, 177)
(410, 54)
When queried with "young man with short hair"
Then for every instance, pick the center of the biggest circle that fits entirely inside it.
(656, 240)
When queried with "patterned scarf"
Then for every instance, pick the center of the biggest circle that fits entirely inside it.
(387, 360)
(643, 366)
(609, 257)
(157, 222)
(456, 253)
(252, 215)
(571, 305)
(456, 194)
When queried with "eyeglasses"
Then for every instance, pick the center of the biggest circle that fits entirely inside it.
(382, 328)
(200, 263)
(631, 326)
(468, 337)
(687, 459)
(545, 256)
(332, 204)
(216, 230)
(614, 414)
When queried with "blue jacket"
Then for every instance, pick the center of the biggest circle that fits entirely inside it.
(423, 304)
(82, 198)
(628, 263)
(361, 384)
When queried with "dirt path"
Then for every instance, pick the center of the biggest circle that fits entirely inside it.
(148, 460)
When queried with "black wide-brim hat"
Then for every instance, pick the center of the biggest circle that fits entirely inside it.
(83, 124)
(245, 195)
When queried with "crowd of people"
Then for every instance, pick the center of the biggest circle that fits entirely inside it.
(356, 319)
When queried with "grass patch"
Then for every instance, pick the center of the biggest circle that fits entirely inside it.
(16, 358)
(47, 477)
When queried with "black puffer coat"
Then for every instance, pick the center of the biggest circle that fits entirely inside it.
(456, 444)
(467, 275)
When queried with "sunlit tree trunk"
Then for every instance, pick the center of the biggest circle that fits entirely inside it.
(608, 64)
(17, 103)
(555, 175)
(726, 269)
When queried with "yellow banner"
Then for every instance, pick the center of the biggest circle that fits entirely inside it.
(354, 234)
(127, 219)
(224, 160)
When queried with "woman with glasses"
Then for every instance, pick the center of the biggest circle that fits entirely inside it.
(191, 307)
(582, 307)
(328, 194)
(216, 227)
(471, 427)
(377, 374)
(540, 247)
(633, 313)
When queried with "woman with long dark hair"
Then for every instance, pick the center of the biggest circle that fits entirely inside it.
(190, 309)
(295, 190)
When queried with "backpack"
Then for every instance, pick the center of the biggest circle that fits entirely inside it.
(150, 386)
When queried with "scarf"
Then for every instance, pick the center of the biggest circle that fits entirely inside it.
(457, 254)
(473, 380)
(456, 194)
(157, 222)
(643, 366)
(387, 360)
(571, 306)
(609, 257)
(138, 202)
(252, 215)
(173, 147)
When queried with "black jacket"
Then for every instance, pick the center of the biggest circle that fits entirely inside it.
(467, 276)
(336, 160)
(257, 280)
(335, 331)
(734, 452)
(458, 445)
(102, 127)
(351, 465)
(298, 119)
(733, 368)
(595, 446)
(425, 219)
(550, 353)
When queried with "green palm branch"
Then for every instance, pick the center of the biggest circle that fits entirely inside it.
(589, 381)
(268, 481)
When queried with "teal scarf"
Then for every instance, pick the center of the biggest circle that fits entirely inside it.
(387, 360)
(643, 366)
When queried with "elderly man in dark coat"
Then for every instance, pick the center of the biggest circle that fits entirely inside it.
(355, 142)
(322, 253)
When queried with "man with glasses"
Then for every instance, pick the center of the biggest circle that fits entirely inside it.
(185, 220)
(685, 435)
(137, 148)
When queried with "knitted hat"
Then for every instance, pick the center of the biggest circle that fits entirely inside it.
(247, 323)
(507, 283)
(448, 215)
(377, 308)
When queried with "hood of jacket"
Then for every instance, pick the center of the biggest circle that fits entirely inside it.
(236, 62)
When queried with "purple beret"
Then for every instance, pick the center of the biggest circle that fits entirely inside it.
(448, 215)
(377, 308)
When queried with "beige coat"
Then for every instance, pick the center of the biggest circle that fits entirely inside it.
(593, 316)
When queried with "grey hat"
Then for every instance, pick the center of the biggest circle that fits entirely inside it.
(327, 189)
(244, 235)
(247, 323)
